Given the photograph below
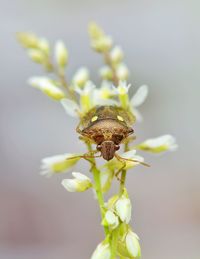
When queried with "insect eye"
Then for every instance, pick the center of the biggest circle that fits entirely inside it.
(99, 147)
(117, 147)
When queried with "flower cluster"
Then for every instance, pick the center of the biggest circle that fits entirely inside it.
(78, 96)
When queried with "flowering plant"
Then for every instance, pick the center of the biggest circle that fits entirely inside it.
(78, 96)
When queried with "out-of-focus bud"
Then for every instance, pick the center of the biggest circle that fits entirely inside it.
(37, 56)
(159, 144)
(43, 45)
(80, 183)
(95, 31)
(61, 54)
(106, 73)
(122, 72)
(58, 164)
(102, 44)
(81, 77)
(28, 40)
(116, 55)
(132, 245)
(102, 251)
(110, 220)
(123, 209)
(48, 87)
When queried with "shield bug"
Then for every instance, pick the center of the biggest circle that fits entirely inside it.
(107, 127)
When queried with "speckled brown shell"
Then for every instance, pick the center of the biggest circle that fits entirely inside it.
(107, 125)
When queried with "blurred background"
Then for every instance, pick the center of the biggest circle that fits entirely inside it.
(39, 219)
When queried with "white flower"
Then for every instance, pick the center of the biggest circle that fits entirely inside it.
(58, 164)
(132, 245)
(116, 55)
(86, 96)
(159, 144)
(71, 107)
(123, 209)
(122, 88)
(104, 94)
(110, 220)
(102, 251)
(47, 86)
(122, 91)
(138, 98)
(81, 77)
(61, 54)
(80, 183)
(122, 72)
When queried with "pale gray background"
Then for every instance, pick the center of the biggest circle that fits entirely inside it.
(161, 39)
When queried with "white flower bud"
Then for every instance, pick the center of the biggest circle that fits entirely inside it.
(28, 40)
(80, 183)
(132, 245)
(122, 72)
(116, 55)
(111, 219)
(103, 44)
(81, 77)
(36, 55)
(106, 73)
(48, 87)
(43, 45)
(58, 164)
(61, 54)
(123, 209)
(102, 251)
(159, 144)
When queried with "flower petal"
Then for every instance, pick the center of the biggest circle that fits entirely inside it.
(140, 96)
(70, 107)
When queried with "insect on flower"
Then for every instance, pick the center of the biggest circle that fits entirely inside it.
(107, 127)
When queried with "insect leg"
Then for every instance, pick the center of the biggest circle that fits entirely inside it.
(78, 130)
(121, 168)
(87, 156)
(131, 160)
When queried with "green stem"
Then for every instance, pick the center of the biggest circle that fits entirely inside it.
(114, 239)
(123, 174)
(97, 186)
